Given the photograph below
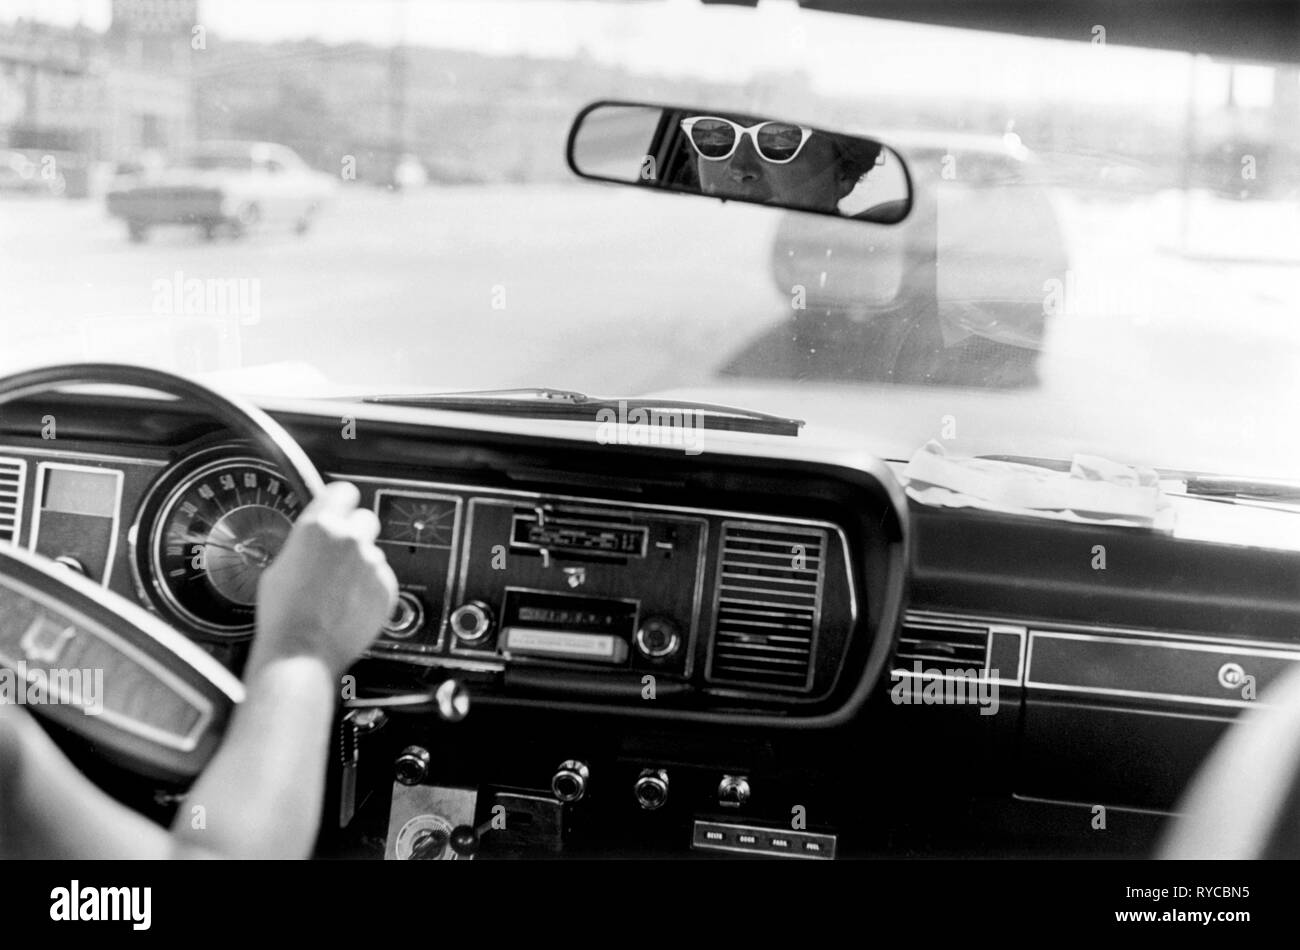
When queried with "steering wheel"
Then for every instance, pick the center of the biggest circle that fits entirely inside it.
(139, 692)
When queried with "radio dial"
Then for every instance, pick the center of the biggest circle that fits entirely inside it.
(657, 638)
(406, 618)
(471, 621)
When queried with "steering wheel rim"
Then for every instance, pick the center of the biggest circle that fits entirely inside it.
(52, 615)
(235, 413)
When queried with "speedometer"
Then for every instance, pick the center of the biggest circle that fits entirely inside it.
(213, 535)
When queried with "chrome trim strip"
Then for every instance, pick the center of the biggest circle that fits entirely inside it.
(88, 456)
(1035, 799)
(1293, 655)
(41, 468)
(1012, 630)
(898, 675)
(1053, 626)
(438, 661)
(1192, 642)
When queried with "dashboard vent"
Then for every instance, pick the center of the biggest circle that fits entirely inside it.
(768, 606)
(942, 643)
(13, 476)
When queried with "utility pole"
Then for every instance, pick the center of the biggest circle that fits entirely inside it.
(397, 86)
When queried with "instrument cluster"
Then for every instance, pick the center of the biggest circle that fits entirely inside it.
(494, 579)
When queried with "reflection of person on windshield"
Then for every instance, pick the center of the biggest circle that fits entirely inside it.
(777, 163)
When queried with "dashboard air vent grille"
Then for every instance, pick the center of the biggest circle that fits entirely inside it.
(768, 606)
(13, 475)
(938, 642)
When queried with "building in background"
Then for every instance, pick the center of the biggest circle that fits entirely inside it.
(149, 97)
(73, 99)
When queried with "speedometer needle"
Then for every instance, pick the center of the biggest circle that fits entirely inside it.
(257, 554)
(253, 551)
(206, 542)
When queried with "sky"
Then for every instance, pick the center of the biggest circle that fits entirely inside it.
(842, 55)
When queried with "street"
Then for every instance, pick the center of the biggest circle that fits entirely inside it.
(467, 287)
(614, 291)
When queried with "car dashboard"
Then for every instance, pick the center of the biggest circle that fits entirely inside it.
(760, 650)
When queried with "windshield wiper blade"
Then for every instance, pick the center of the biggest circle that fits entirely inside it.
(1231, 486)
(544, 402)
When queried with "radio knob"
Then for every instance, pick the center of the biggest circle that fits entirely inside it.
(570, 781)
(471, 621)
(733, 791)
(406, 618)
(651, 789)
(657, 638)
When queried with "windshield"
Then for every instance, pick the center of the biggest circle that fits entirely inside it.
(1102, 253)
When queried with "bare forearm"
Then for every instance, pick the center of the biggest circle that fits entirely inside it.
(261, 795)
(50, 810)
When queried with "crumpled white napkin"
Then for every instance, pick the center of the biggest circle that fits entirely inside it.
(1095, 490)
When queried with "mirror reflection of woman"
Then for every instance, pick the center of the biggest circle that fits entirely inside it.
(777, 163)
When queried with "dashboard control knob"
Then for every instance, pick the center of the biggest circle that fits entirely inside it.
(412, 765)
(71, 563)
(429, 845)
(733, 791)
(407, 616)
(471, 621)
(657, 638)
(569, 783)
(651, 789)
(464, 840)
(453, 701)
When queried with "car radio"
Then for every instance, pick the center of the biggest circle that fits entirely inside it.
(573, 585)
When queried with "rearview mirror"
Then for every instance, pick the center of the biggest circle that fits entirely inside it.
(738, 157)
